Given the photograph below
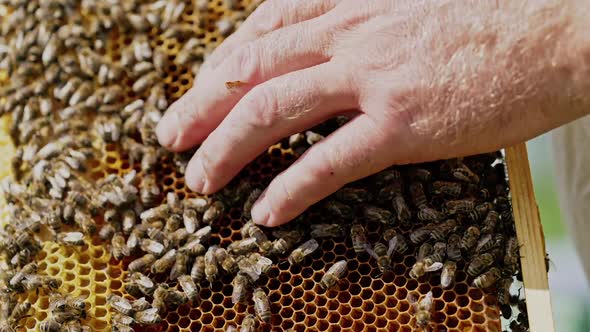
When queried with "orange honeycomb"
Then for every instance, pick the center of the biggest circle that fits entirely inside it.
(364, 300)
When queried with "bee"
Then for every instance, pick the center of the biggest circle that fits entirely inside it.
(198, 269)
(453, 247)
(511, 257)
(261, 304)
(452, 189)
(72, 238)
(254, 266)
(489, 242)
(480, 263)
(470, 238)
(326, 230)
(155, 213)
(333, 275)
(143, 283)
(180, 266)
(251, 230)
(382, 254)
(487, 279)
(312, 138)
(148, 316)
(193, 248)
(421, 234)
(226, 261)
(439, 252)
(199, 204)
(240, 285)
(243, 247)
(423, 310)
(298, 255)
(142, 264)
(50, 325)
(231, 328)
(417, 194)
(459, 206)
(149, 190)
(353, 195)
(447, 276)
(359, 238)
(396, 241)
(225, 26)
(211, 271)
(119, 246)
(338, 209)
(213, 212)
(190, 220)
(425, 261)
(189, 288)
(128, 221)
(140, 304)
(480, 210)
(490, 222)
(145, 82)
(20, 311)
(18, 277)
(463, 173)
(120, 304)
(504, 291)
(120, 319)
(248, 324)
(441, 231)
(165, 262)
(249, 202)
(230, 85)
(376, 214)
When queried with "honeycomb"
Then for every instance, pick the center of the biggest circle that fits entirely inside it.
(365, 300)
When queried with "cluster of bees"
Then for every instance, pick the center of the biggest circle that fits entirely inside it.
(67, 101)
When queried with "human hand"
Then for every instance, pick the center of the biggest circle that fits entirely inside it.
(428, 79)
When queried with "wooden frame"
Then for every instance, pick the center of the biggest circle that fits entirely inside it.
(531, 239)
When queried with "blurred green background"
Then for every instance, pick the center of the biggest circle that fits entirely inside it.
(570, 293)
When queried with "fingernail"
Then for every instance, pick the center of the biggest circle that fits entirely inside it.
(167, 129)
(261, 210)
(195, 177)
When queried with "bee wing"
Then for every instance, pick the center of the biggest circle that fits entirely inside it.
(483, 241)
(370, 251)
(250, 271)
(392, 245)
(309, 247)
(434, 267)
(262, 263)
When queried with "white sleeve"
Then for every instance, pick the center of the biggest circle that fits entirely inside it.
(571, 155)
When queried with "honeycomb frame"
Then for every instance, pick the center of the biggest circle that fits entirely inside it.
(364, 300)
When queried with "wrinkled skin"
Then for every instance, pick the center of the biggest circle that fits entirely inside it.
(425, 80)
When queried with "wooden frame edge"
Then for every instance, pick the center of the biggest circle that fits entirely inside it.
(531, 239)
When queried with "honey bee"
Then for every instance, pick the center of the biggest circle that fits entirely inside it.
(72, 238)
(376, 214)
(452, 189)
(359, 238)
(463, 173)
(142, 264)
(249, 202)
(480, 210)
(198, 269)
(143, 283)
(425, 262)
(165, 262)
(226, 261)
(326, 230)
(211, 271)
(149, 190)
(421, 234)
(148, 316)
(511, 256)
(189, 288)
(470, 238)
(487, 279)
(120, 304)
(254, 266)
(119, 246)
(459, 206)
(480, 263)
(504, 291)
(240, 285)
(396, 241)
(230, 85)
(50, 325)
(423, 310)
(140, 304)
(225, 26)
(251, 230)
(338, 209)
(120, 319)
(447, 277)
(441, 231)
(298, 255)
(145, 82)
(353, 195)
(453, 247)
(82, 93)
(243, 247)
(417, 194)
(18, 277)
(333, 275)
(312, 137)
(490, 222)
(382, 254)
(261, 304)
(248, 324)
(213, 212)
(180, 266)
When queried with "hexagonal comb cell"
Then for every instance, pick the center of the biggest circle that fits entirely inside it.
(365, 299)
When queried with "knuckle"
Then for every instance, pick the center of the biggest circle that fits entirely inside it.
(269, 15)
(212, 165)
(263, 108)
(282, 200)
(247, 62)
